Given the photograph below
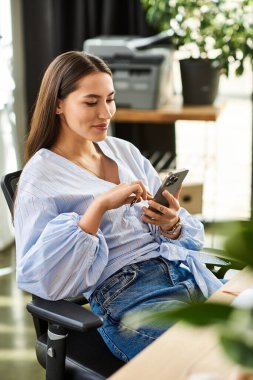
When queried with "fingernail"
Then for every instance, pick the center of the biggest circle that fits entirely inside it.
(133, 202)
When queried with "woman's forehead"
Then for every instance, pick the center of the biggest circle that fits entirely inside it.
(96, 80)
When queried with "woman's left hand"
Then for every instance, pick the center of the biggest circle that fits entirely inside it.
(162, 216)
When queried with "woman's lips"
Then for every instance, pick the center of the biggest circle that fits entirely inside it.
(101, 127)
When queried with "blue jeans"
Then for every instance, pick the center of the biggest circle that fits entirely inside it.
(155, 283)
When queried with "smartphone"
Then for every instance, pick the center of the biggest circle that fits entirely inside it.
(171, 182)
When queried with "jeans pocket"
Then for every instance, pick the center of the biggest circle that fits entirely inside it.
(115, 285)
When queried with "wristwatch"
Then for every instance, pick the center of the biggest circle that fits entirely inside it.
(174, 230)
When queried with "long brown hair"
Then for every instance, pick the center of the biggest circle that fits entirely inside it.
(59, 80)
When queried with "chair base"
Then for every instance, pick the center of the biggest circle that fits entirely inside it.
(84, 363)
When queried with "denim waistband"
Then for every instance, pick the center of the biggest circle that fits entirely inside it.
(127, 274)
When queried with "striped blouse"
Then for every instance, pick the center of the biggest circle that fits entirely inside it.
(57, 259)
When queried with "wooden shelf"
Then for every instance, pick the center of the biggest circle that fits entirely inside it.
(168, 114)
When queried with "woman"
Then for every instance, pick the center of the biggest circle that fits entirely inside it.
(76, 231)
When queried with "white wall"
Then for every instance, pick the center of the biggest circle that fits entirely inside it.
(9, 151)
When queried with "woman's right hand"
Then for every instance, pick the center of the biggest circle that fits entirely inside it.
(124, 193)
(119, 195)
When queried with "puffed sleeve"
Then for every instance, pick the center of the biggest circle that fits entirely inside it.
(192, 234)
(55, 257)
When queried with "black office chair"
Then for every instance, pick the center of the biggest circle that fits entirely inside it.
(68, 344)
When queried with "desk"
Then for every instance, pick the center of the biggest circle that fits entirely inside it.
(182, 350)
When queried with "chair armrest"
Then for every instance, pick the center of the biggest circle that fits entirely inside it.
(67, 314)
(222, 255)
(219, 254)
(80, 300)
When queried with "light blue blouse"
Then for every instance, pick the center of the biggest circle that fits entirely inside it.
(57, 259)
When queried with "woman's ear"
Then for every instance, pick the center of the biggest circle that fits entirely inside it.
(58, 108)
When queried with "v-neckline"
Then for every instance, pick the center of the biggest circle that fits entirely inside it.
(83, 170)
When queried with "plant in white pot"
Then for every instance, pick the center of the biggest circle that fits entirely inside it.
(211, 33)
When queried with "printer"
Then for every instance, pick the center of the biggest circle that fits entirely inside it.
(142, 73)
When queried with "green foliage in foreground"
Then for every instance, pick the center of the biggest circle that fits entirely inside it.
(234, 325)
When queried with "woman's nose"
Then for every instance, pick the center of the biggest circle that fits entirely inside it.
(105, 112)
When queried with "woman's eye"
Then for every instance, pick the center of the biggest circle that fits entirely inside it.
(90, 104)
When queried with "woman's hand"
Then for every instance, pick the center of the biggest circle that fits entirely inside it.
(162, 216)
(124, 193)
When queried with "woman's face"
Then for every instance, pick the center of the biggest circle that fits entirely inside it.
(87, 111)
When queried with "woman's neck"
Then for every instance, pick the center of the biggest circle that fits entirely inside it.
(85, 149)
(88, 156)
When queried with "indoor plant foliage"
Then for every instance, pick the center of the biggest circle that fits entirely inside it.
(220, 30)
(234, 325)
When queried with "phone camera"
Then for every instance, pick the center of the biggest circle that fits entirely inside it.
(171, 180)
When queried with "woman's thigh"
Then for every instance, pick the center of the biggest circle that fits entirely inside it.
(153, 284)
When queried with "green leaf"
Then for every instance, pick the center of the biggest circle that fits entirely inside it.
(236, 337)
(239, 246)
(238, 241)
(196, 314)
(193, 22)
(237, 350)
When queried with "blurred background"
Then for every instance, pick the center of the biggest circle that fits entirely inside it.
(218, 153)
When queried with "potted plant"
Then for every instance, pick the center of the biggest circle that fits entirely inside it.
(234, 324)
(211, 33)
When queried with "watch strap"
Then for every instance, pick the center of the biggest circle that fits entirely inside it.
(174, 230)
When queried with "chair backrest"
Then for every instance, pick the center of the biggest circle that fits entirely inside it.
(9, 185)
(95, 360)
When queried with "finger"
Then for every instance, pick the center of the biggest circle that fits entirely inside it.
(136, 189)
(148, 220)
(178, 192)
(173, 202)
(149, 195)
(131, 192)
(151, 214)
(144, 190)
(144, 194)
(158, 207)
